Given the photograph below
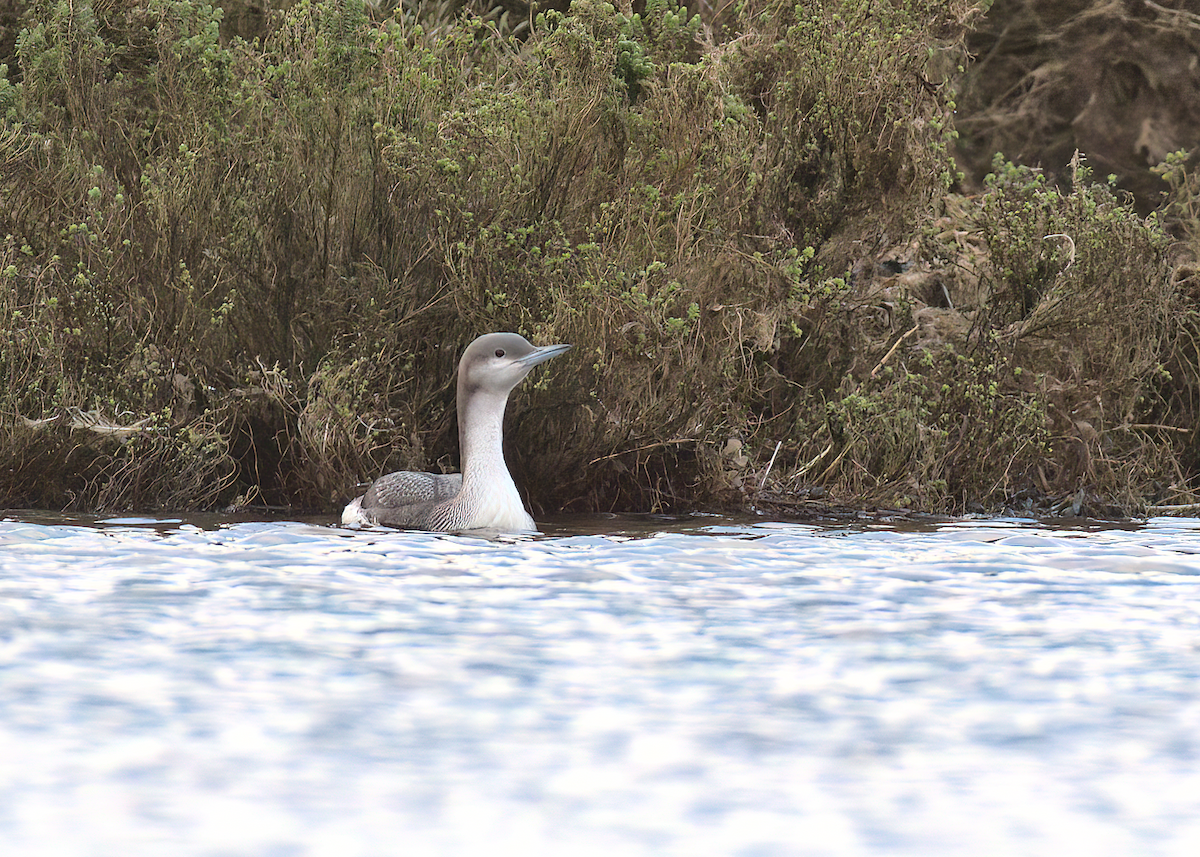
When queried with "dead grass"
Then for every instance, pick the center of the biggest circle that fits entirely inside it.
(1117, 81)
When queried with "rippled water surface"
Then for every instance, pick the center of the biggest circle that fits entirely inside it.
(698, 687)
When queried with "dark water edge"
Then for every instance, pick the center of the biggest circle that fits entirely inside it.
(623, 524)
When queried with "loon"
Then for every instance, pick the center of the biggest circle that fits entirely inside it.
(483, 496)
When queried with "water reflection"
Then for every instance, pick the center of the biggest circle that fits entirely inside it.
(615, 686)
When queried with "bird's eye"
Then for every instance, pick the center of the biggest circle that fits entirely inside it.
(499, 352)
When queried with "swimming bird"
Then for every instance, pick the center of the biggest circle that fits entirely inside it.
(483, 496)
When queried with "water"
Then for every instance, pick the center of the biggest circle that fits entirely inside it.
(699, 687)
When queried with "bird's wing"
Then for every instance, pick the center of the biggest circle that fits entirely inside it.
(410, 488)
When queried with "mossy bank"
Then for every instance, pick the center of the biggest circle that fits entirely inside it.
(239, 273)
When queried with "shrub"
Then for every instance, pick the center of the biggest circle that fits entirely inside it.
(261, 261)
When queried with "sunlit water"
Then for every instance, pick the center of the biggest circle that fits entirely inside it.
(695, 688)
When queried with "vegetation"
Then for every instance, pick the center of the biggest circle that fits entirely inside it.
(241, 272)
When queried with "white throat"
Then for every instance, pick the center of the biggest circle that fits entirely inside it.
(489, 496)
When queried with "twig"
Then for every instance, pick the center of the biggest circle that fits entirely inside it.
(803, 471)
(675, 442)
(892, 350)
(770, 464)
(1181, 507)
(1150, 426)
(1070, 245)
(1194, 21)
(833, 464)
